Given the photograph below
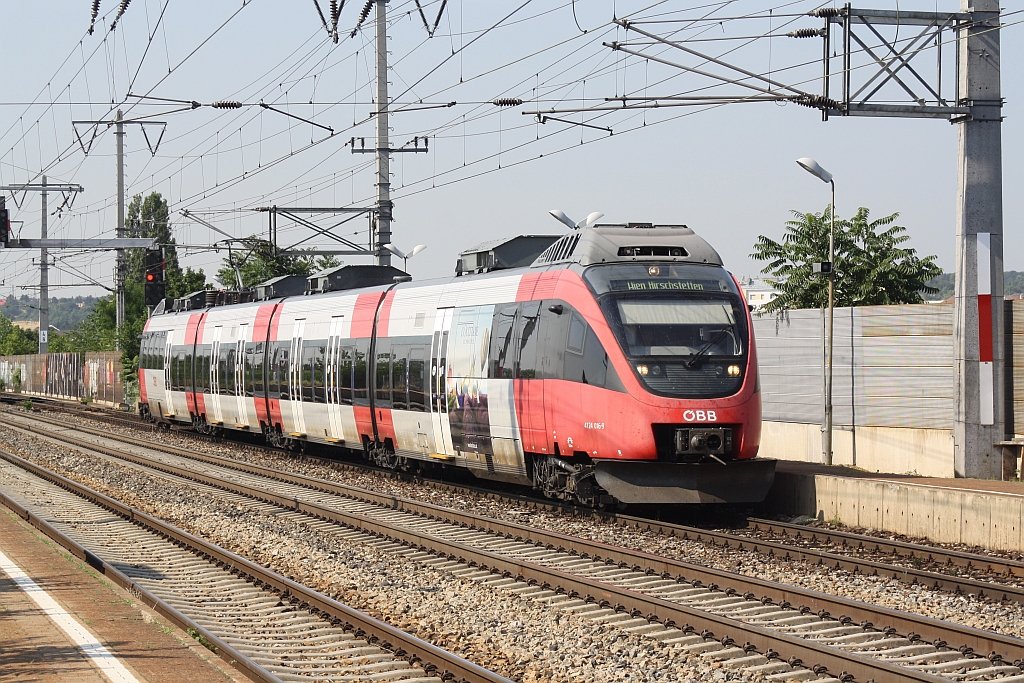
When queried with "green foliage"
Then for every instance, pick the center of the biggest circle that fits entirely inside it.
(65, 313)
(16, 341)
(871, 267)
(257, 262)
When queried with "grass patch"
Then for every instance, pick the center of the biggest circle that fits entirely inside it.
(201, 639)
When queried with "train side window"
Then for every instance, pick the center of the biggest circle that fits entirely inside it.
(227, 371)
(188, 363)
(272, 381)
(254, 357)
(503, 350)
(345, 375)
(417, 378)
(308, 350)
(383, 373)
(527, 338)
(359, 372)
(282, 369)
(399, 366)
(320, 373)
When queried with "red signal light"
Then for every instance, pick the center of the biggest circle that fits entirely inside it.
(150, 277)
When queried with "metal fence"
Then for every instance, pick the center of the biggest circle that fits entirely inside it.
(92, 376)
(892, 366)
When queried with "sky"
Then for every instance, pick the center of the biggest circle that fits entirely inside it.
(726, 170)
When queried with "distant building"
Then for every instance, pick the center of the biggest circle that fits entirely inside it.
(759, 291)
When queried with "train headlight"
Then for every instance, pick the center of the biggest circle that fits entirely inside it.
(734, 371)
(642, 369)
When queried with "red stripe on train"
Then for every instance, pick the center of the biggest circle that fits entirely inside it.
(362, 315)
(384, 317)
(534, 286)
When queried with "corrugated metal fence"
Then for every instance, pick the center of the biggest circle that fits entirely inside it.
(93, 376)
(892, 366)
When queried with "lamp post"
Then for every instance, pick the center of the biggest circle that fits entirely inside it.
(405, 257)
(812, 167)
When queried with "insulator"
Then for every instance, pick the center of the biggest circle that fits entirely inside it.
(226, 104)
(825, 12)
(95, 13)
(120, 13)
(362, 17)
(816, 102)
(507, 102)
(334, 12)
(807, 33)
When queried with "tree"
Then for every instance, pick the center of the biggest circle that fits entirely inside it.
(257, 261)
(149, 217)
(871, 268)
(15, 341)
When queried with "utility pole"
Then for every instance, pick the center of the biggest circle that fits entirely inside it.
(894, 82)
(119, 273)
(979, 352)
(384, 204)
(44, 280)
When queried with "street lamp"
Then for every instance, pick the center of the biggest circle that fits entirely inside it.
(405, 257)
(812, 167)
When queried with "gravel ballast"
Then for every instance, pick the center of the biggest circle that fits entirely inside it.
(515, 636)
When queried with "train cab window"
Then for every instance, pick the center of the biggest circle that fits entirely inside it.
(554, 326)
(577, 334)
(527, 339)
(359, 372)
(417, 378)
(345, 375)
(503, 350)
(383, 374)
(399, 386)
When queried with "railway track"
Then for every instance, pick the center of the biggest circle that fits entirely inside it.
(784, 631)
(267, 626)
(991, 576)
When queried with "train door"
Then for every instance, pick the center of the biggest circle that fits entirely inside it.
(214, 413)
(529, 388)
(439, 385)
(333, 390)
(295, 379)
(242, 409)
(167, 410)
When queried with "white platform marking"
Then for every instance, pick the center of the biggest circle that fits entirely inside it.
(101, 656)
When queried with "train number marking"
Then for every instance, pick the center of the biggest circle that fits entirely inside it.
(593, 425)
(700, 416)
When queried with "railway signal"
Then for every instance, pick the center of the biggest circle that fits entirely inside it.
(154, 277)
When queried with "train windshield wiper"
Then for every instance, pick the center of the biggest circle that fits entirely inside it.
(693, 361)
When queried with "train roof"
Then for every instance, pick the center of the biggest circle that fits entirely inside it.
(585, 246)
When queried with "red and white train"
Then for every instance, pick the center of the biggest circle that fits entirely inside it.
(619, 366)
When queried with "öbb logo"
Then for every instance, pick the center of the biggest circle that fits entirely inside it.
(700, 416)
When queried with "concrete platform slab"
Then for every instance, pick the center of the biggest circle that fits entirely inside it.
(977, 512)
(33, 648)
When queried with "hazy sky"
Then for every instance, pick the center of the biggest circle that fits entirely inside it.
(726, 171)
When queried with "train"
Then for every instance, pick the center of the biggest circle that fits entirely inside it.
(617, 366)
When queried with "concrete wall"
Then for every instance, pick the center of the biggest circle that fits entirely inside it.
(945, 515)
(924, 452)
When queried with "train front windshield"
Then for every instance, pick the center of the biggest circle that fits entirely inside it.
(682, 327)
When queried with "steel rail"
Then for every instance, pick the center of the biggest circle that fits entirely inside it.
(870, 616)
(434, 660)
(846, 539)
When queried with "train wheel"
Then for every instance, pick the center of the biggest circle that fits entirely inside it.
(274, 437)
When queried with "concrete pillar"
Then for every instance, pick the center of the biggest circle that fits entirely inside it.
(979, 353)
